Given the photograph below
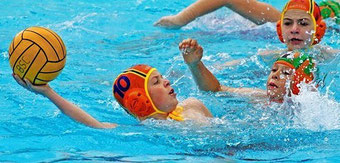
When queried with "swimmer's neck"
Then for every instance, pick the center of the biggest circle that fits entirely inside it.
(161, 116)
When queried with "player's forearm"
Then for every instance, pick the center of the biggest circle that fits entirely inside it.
(72, 110)
(204, 78)
(199, 8)
(257, 12)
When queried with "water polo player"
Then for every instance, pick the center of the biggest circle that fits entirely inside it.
(300, 27)
(301, 24)
(143, 92)
(293, 67)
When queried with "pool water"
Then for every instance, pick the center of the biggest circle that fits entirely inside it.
(105, 37)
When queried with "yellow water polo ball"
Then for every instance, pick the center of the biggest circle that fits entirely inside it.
(37, 54)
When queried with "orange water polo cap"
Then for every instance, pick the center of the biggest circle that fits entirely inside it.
(130, 90)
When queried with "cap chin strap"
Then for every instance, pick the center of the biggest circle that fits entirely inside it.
(311, 13)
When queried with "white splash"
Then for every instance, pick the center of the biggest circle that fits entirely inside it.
(316, 112)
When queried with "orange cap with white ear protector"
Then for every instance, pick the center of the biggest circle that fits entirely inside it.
(130, 90)
(313, 9)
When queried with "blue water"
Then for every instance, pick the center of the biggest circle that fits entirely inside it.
(105, 37)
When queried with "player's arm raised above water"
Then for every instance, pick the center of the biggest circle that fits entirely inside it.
(192, 53)
(257, 12)
(65, 106)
